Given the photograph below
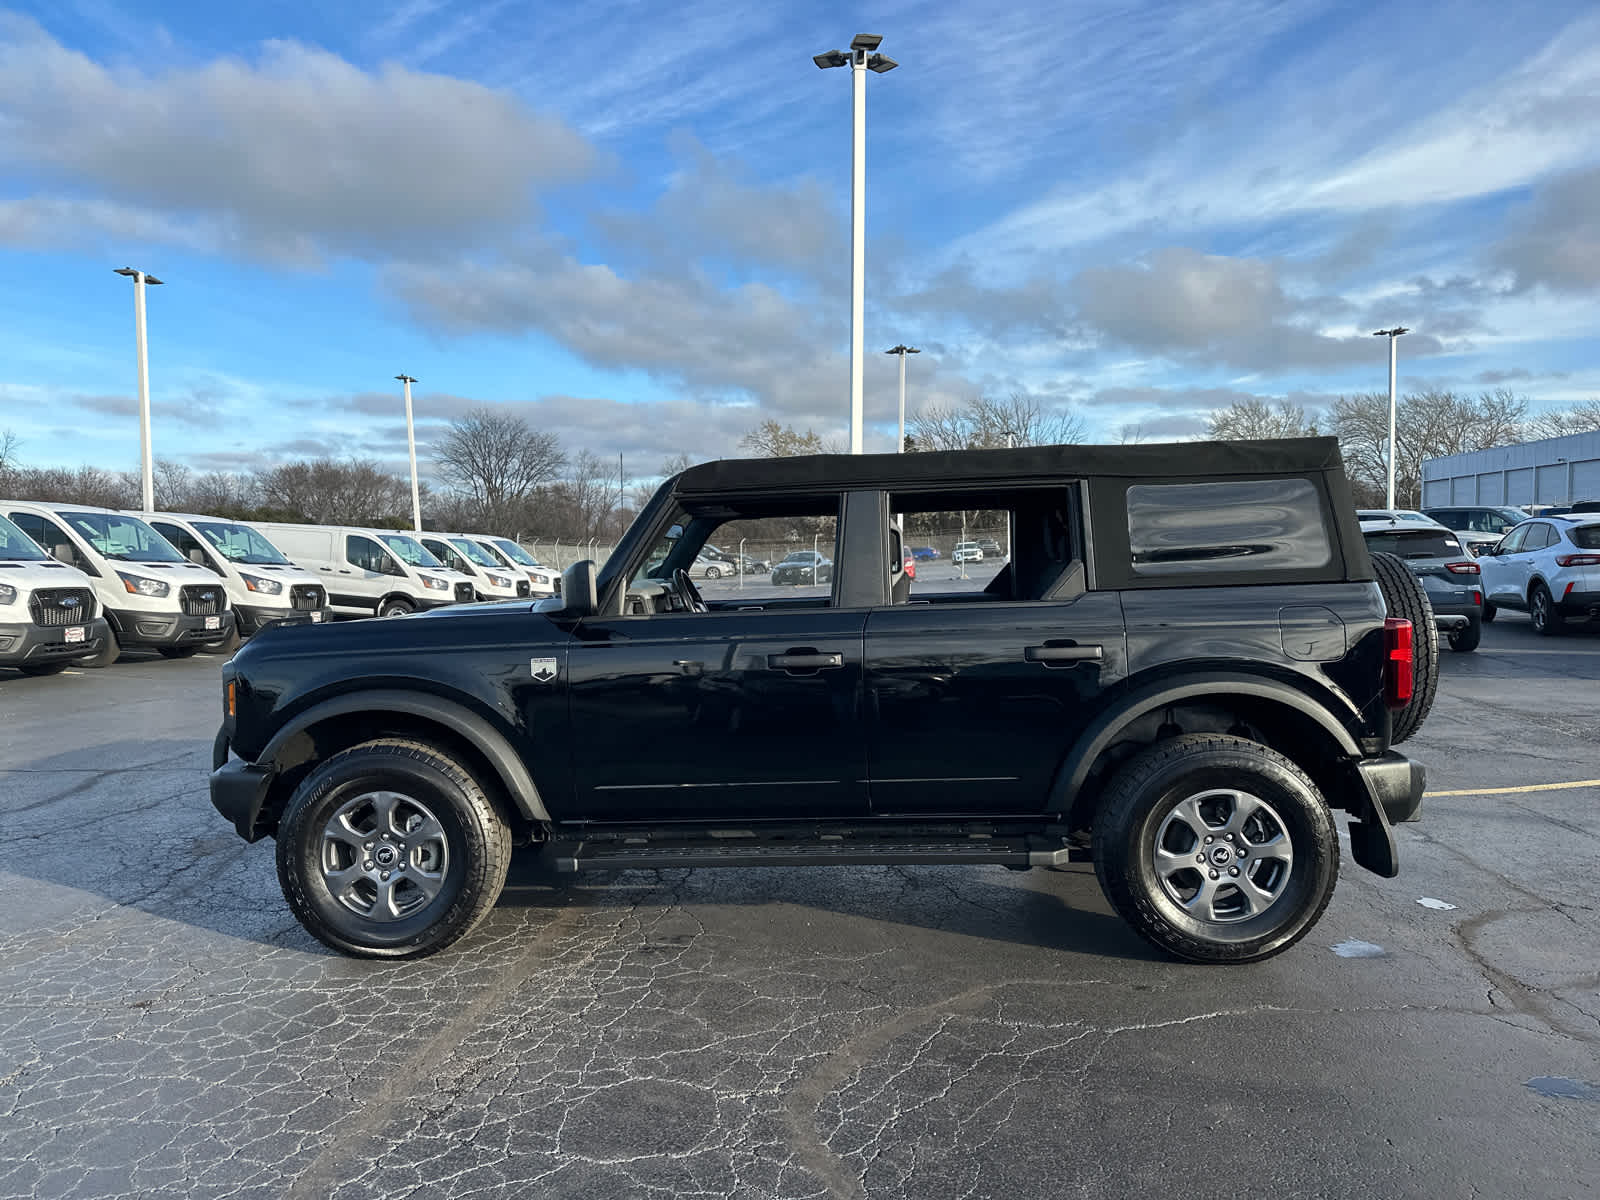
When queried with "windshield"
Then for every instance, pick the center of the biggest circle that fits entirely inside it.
(515, 552)
(240, 544)
(125, 539)
(1585, 537)
(1421, 543)
(16, 546)
(409, 550)
(472, 552)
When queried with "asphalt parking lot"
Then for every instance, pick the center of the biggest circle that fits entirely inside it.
(166, 1029)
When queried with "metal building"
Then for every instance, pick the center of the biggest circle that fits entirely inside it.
(1560, 470)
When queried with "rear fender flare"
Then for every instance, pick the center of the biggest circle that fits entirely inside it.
(1152, 697)
(490, 742)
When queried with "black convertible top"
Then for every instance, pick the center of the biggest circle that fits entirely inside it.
(1163, 460)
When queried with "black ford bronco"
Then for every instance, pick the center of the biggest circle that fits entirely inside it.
(1183, 662)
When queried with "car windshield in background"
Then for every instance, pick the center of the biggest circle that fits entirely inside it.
(124, 539)
(472, 552)
(16, 546)
(1586, 537)
(515, 552)
(409, 550)
(240, 544)
(1421, 543)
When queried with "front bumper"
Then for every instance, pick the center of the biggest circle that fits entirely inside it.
(253, 618)
(136, 628)
(238, 789)
(30, 643)
(429, 603)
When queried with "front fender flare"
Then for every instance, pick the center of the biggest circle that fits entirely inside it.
(1151, 697)
(460, 720)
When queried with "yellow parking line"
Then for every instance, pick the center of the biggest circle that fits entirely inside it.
(1530, 787)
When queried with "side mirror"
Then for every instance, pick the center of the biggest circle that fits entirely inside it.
(579, 596)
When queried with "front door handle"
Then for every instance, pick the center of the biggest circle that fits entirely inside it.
(809, 660)
(1051, 655)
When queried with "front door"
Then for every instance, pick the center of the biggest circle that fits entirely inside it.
(720, 714)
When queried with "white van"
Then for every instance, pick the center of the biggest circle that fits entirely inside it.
(263, 586)
(493, 579)
(543, 580)
(48, 612)
(370, 572)
(149, 594)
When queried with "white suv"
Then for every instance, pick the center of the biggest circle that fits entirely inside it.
(966, 552)
(1549, 568)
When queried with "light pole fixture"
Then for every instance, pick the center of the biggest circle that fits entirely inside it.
(861, 58)
(146, 462)
(1393, 335)
(411, 445)
(902, 350)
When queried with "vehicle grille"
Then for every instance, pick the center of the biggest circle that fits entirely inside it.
(465, 592)
(201, 601)
(524, 588)
(61, 606)
(305, 597)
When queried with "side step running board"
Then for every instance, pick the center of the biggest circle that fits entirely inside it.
(742, 850)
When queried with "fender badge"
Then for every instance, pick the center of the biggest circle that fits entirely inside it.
(543, 669)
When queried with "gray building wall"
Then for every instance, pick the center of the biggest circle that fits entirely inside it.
(1553, 471)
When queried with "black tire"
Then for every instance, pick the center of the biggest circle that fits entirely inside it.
(177, 651)
(105, 656)
(1135, 810)
(1490, 611)
(396, 608)
(472, 849)
(53, 667)
(1547, 620)
(1464, 640)
(227, 645)
(1403, 596)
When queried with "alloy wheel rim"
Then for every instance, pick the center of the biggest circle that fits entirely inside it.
(1223, 856)
(383, 855)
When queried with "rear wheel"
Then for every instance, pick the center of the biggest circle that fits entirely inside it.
(391, 850)
(1403, 596)
(1489, 612)
(54, 667)
(1542, 609)
(1216, 849)
(1466, 638)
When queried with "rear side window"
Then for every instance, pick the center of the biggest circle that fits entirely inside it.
(1214, 528)
(1539, 536)
(1585, 537)
(1431, 543)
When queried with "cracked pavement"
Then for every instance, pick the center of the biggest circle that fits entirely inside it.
(166, 1029)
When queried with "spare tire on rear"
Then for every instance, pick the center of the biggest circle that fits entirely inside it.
(1404, 596)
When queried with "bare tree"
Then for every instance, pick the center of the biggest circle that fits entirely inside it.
(1429, 424)
(86, 485)
(1583, 417)
(499, 461)
(772, 440)
(329, 492)
(1255, 419)
(10, 447)
(986, 423)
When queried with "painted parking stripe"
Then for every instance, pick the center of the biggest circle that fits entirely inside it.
(1530, 787)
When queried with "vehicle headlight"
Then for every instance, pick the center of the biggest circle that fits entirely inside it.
(497, 580)
(140, 586)
(7, 593)
(267, 587)
(438, 585)
(541, 580)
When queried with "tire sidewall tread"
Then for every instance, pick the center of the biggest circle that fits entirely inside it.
(1404, 596)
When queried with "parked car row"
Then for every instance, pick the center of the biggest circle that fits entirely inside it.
(79, 584)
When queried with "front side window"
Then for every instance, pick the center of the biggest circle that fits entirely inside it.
(514, 552)
(447, 555)
(1512, 543)
(365, 553)
(122, 538)
(470, 550)
(240, 544)
(1226, 528)
(409, 550)
(16, 546)
(788, 555)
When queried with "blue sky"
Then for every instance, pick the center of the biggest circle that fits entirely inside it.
(629, 221)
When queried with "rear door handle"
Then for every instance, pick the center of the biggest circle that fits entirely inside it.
(809, 661)
(1063, 654)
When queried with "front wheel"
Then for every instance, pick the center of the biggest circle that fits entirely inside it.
(178, 651)
(54, 667)
(391, 850)
(395, 608)
(1542, 610)
(108, 653)
(1216, 849)
(713, 573)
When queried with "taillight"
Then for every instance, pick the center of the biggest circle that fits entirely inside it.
(1477, 596)
(1578, 560)
(1463, 568)
(1399, 675)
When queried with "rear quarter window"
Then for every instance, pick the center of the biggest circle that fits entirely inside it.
(1180, 529)
(1586, 537)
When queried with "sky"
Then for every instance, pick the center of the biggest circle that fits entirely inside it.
(628, 220)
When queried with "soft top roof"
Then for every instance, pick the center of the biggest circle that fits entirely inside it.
(1163, 460)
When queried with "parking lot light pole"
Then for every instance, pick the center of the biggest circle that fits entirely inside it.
(411, 445)
(902, 350)
(146, 462)
(862, 57)
(1393, 335)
